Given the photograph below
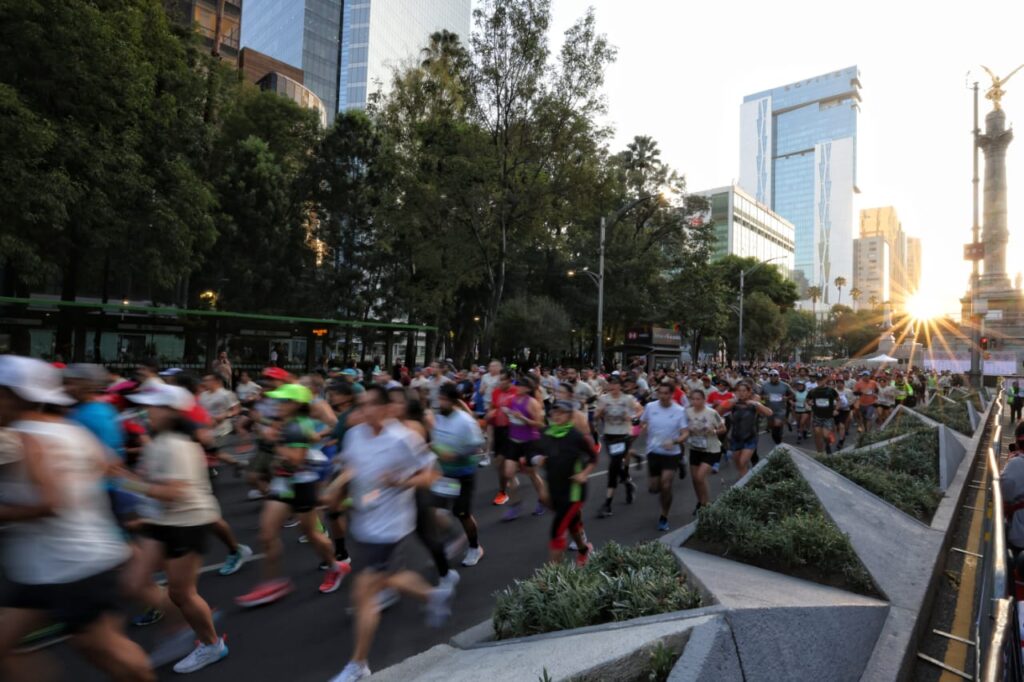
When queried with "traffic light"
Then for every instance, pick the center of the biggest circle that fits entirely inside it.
(984, 343)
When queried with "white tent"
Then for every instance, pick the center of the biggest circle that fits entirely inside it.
(881, 360)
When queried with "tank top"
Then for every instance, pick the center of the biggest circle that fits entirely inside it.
(81, 539)
(800, 398)
(518, 429)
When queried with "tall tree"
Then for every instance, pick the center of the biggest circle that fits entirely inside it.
(840, 282)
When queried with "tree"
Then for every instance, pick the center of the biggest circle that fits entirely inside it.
(763, 324)
(536, 324)
(856, 294)
(840, 282)
(852, 333)
(873, 301)
(799, 326)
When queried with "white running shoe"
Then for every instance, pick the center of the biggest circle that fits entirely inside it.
(439, 605)
(473, 556)
(485, 461)
(352, 672)
(202, 656)
(387, 598)
(451, 580)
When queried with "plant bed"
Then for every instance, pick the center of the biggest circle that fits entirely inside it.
(618, 583)
(904, 474)
(955, 416)
(899, 425)
(775, 522)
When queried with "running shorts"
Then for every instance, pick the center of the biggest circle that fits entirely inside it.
(523, 451)
(698, 457)
(824, 423)
(178, 540)
(301, 497)
(657, 463)
(461, 506)
(501, 441)
(77, 604)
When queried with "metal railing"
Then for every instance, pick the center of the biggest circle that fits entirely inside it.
(997, 633)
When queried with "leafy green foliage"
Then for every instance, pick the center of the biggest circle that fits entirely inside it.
(954, 416)
(776, 522)
(899, 425)
(661, 662)
(618, 583)
(904, 474)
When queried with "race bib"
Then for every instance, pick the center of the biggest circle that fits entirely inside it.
(775, 397)
(280, 487)
(616, 448)
(822, 402)
(699, 442)
(446, 487)
(869, 392)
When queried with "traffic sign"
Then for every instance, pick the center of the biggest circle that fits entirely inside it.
(974, 251)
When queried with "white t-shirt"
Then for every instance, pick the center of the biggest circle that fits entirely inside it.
(664, 424)
(703, 426)
(217, 404)
(382, 514)
(488, 383)
(249, 391)
(82, 538)
(176, 457)
(583, 392)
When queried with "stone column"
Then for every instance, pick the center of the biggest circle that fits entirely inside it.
(994, 231)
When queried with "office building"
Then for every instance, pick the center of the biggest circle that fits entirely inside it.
(348, 49)
(284, 79)
(798, 156)
(744, 227)
(219, 29)
(904, 257)
(872, 265)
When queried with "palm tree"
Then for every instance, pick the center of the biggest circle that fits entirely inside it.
(855, 294)
(840, 283)
(814, 293)
(873, 301)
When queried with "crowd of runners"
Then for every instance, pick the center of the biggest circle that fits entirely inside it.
(122, 468)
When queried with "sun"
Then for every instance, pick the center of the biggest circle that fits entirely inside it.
(921, 306)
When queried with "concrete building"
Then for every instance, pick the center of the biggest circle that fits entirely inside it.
(872, 265)
(904, 274)
(220, 30)
(744, 227)
(347, 49)
(798, 156)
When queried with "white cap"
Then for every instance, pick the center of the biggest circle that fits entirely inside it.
(33, 380)
(165, 395)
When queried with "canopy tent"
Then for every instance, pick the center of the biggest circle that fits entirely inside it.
(880, 360)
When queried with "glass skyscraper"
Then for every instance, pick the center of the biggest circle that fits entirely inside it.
(798, 155)
(347, 48)
(746, 228)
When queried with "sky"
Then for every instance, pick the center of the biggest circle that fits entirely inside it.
(684, 67)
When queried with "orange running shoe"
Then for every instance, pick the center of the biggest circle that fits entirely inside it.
(500, 498)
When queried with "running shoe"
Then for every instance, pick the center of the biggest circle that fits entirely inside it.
(387, 598)
(352, 672)
(439, 605)
(202, 656)
(334, 576)
(714, 468)
(451, 579)
(500, 499)
(303, 539)
(630, 491)
(235, 560)
(473, 556)
(254, 495)
(485, 461)
(663, 524)
(149, 617)
(512, 513)
(539, 510)
(583, 557)
(266, 593)
(291, 522)
(572, 546)
(605, 511)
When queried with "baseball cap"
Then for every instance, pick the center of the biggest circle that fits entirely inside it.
(773, 372)
(33, 380)
(297, 393)
(350, 372)
(165, 395)
(865, 373)
(276, 373)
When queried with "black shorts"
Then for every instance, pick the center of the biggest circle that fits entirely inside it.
(178, 540)
(375, 556)
(844, 417)
(302, 497)
(501, 441)
(698, 457)
(261, 462)
(461, 506)
(523, 451)
(76, 604)
(657, 463)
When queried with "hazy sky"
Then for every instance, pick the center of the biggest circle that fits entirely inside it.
(684, 66)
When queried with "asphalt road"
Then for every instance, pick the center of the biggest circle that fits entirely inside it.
(308, 636)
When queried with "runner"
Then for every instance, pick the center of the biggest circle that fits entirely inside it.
(777, 395)
(745, 411)
(722, 395)
(615, 414)
(526, 417)
(847, 403)
(866, 390)
(568, 460)
(62, 548)
(704, 428)
(501, 397)
(488, 382)
(292, 493)
(382, 459)
(801, 410)
(177, 521)
(903, 390)
(456, 439)
(886, 399)
(664, 423)
(824, 402)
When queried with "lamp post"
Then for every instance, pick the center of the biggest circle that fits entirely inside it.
(743, 275)
(598, 278)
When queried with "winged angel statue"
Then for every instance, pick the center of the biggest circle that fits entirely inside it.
(996, 92)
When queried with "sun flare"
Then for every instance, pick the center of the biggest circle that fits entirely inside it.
(922, 306)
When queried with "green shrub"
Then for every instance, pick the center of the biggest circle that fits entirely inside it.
(954, 416)
(900, 424)
(904, 474)
(618, 583)
(776, 522)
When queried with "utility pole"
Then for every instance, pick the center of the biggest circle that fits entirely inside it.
(600, 300)
(975, 319)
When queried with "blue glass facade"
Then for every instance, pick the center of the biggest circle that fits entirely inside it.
(810, 180)
(355, 39)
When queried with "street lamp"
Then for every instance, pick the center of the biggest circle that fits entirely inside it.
(598, 278)
(743, 275)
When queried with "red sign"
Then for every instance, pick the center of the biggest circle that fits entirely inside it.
(974, 251)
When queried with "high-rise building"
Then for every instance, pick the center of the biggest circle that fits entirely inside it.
(277, 76)
(347, 49)
(798, 156)
(872, 264)
(904, 256)
(220, 30)
(746, 228)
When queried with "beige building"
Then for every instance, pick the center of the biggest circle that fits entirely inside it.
(902, 255)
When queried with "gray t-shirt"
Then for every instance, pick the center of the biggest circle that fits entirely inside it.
(382, 513)
(617, 413)
(775, 396)
(664, 424)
